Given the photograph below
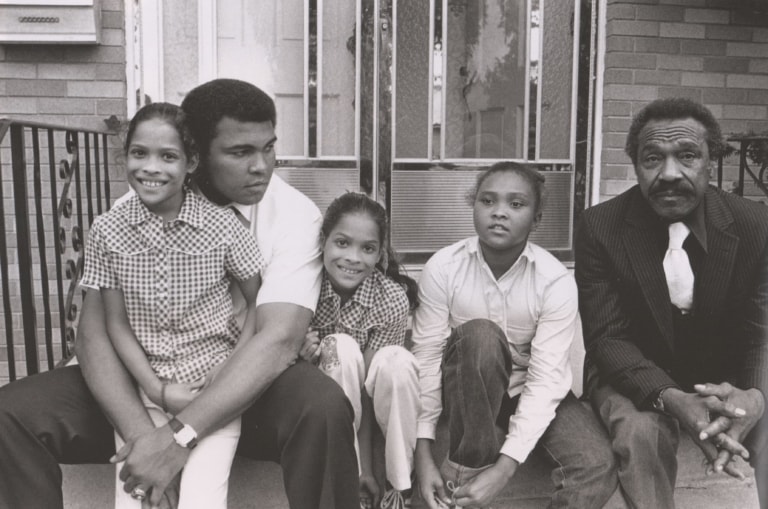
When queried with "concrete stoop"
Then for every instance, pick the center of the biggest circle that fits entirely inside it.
(259, 485)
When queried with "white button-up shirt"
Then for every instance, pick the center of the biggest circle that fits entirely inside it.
(535, 303)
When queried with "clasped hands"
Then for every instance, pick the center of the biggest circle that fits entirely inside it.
(719, 417)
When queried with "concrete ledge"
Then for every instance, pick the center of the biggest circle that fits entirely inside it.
(259, 485)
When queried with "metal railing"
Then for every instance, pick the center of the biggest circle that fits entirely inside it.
(753, 162)
(56, 183)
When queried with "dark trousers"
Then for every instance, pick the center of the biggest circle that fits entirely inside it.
(303, 421)
(477, 366)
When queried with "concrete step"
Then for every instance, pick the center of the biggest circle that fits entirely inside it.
(259, 485)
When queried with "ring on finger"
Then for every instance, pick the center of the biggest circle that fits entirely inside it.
(138, 494)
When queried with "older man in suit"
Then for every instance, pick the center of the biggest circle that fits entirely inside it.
(673, 290)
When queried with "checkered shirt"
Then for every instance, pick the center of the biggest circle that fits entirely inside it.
(174, 278)
(375, 316)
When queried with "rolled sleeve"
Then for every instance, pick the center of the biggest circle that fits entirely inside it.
(549, 374)
(97, 271)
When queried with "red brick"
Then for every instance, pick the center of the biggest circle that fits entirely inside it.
(760, 35)
(681, 30)
(614, 156)
(726, 64)
(18, 70)
(707, 16)
(724, 96)
(709, 48)
(618, 171)
(619, 43)
(617, 76)
(686, 3)
(658, 13)
(749, 17)
(630, 92)
(110, 72)
(630, 61)
(619, 11)
(753, 112)
(701, 79)
(758, 66)
(746, 49)
(616, 125)
(689, 92)
(757, 97)
(649, 77)
(747, 81)
(622, 27)
(679, 62)
(617, 109)
(614, 140)
(656, 45)
(728, 33)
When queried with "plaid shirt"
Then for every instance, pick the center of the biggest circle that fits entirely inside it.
(375, 315)
(174, 278)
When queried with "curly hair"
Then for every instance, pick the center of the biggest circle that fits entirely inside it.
(534, 178)
(675, 108)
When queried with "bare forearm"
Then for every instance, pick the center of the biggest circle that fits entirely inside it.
(108, 380)
(251, 369)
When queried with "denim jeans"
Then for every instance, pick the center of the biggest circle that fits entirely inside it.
(476, 369)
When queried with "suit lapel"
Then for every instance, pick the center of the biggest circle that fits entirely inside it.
(715, 273)
(640, 243)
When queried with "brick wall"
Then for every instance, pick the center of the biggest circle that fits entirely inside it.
(72, 85)
(713, 51)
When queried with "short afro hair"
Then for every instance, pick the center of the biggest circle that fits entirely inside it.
(675, 108)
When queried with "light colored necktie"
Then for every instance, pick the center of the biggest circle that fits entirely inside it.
(677, 268)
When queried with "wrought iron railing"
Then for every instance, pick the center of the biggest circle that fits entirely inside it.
(56, 183)
(752, 151)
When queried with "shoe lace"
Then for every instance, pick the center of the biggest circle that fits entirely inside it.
(393, 499)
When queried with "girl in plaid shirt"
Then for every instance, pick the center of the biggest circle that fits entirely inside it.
(357, 337)
(163, 259)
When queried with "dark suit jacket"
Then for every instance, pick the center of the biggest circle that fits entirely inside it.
(625, 306)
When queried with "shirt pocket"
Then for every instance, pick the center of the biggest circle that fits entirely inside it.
(197, 269)
(131, 262)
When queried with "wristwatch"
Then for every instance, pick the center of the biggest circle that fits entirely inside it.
(658, 403)
(184, 434)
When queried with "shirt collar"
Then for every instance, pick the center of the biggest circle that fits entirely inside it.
(473, 246)
(365, 295)
(136, 212)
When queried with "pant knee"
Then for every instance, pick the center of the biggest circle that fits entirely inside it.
(340, 349)
(645, 431)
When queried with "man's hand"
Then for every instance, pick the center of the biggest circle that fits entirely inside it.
(369, 490)
(152, 462)
(430, 481)
(483, 488)
(724, 431)
(310, 350)
(694, 413)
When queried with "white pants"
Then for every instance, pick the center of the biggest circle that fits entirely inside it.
(392, 382)
(205, 478)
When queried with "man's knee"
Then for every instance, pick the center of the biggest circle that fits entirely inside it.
(323, 404)
(645, 431)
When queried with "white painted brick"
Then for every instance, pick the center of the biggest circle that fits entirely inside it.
(96, 89)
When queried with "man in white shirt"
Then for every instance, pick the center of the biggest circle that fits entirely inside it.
(291, 412)
(492, 335)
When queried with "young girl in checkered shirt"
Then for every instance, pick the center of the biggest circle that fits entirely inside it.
(357, 337)
(163, 259)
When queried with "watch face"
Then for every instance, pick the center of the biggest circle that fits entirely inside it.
(184, 436)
